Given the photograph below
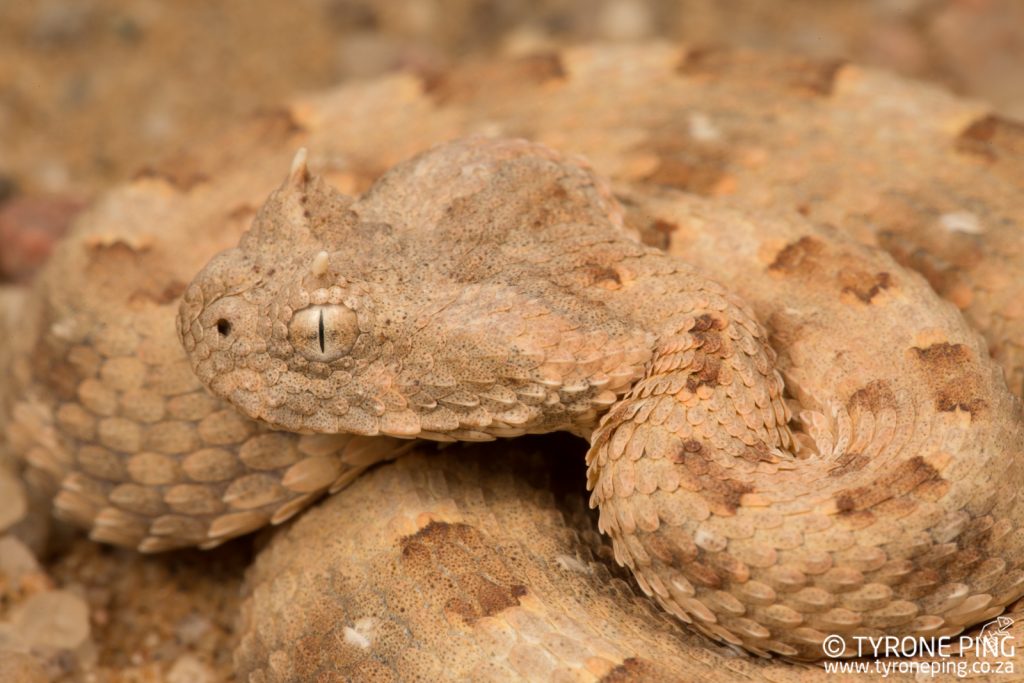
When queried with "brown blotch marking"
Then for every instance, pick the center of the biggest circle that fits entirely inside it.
(632, 670)
(865, 286)
(721, 492)
(495, 81)
(700, 172)
(951, 402)
(690, 446)
(902, 217)
(176, 173)
(707, 375)
(873, 397)
(707, 361)
(112, 264)
(278, 123)
(600, 275)
(169, 294)
(845, 502)
(483, 598)
(684, 163)
(947, 371)
(456, 562)
(944, 276)
(900, 481)
(943, 356)
(654, 232)
(664, 227)
(706, 321)
(817, 77)
(62, 377)
(706, 330)
(799, 256)
(760, 71)
(993, 137)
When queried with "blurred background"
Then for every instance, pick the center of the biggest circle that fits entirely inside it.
(92, 90)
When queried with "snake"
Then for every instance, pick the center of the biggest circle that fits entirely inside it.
(821, 446)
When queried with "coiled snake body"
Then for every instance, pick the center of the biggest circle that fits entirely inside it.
(489, 288)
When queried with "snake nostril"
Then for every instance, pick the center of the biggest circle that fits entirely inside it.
(223, 327)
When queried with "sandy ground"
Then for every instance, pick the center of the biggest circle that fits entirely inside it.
(93, 90)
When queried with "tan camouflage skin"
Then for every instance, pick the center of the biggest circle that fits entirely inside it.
(893, 508)
(487, 569)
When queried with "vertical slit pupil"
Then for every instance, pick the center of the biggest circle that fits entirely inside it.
(321, 331)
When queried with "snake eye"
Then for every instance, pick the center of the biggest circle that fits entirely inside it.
(223, 327)
(323, 333)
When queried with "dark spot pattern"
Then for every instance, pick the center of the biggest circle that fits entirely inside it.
(864, 286)
(719, 489)
(710, 350)
(899, 481)
(698, 170)
(873, 397)
(475, 81)
(602, 275)
(799, 256)
(947, 370)
(632, 670)
(457, 563)
(801, 74)
(993, 137)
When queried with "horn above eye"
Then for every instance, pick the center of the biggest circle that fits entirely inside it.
(323, 333)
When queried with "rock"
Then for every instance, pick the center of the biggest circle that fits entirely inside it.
(191, 628)
(16, 560)
(52, 620)
(13, 503)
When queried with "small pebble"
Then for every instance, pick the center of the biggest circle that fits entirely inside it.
(188, 669)
(192, 628)
(962, 221)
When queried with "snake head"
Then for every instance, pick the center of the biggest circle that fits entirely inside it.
(284, 329)
(392, 313)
